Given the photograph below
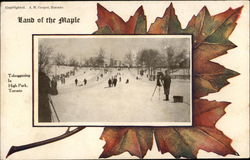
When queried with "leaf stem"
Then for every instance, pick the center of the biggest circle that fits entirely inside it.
(68, 133)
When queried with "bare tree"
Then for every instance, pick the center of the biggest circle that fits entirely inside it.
(91, 62)
(170, 58)
(128, 58)
(148, 58)
(60, 59)
(82, 61)
(183, 59)
(87, 64)
(177, 60)
(100, 58)
(73, 62)
(44, 54)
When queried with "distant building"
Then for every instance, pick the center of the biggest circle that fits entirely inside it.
(111, 62)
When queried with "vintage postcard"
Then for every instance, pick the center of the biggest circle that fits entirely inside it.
(124, 79)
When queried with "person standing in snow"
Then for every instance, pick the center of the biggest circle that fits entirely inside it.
(109, 82)
(166, 84)
(115, 81)
(127, 81)
(76, 81)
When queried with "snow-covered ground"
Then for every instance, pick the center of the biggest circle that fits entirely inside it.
(132, 102)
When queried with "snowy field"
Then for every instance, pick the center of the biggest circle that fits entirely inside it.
(132, 102)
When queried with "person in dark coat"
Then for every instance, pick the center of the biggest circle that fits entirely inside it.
(166, 84)
(115, 81)
(85, 81)
(109, 82)
(45, 87)
(127, 81)
(76, 81)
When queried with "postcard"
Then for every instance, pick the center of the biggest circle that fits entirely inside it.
(124, 79)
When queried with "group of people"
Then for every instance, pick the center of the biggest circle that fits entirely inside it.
(62, 77)
(48, 87)
(112, 81)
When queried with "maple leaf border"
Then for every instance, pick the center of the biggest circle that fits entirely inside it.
(138, 140)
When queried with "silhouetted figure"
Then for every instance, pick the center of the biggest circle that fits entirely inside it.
(120, 79)
(85, 81)
(110, 82)
(97, 78)
(166, 84)
(115, 81)
(127, 81)
(45, 87)
(76, 81)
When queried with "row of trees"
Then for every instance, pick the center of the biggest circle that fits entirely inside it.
(146, 58)
(152, 59)
(44, 53)
(60, 59)
(47, 57)
(97, 61)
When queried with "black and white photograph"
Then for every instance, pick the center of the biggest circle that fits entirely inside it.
(116, 80)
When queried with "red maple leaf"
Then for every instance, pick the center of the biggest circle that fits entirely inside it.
(210, 34)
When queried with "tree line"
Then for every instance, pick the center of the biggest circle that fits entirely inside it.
(150, 59)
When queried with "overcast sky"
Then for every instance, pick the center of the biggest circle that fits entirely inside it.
(115, 47)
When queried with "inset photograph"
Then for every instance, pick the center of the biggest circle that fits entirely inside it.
(112, 80)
